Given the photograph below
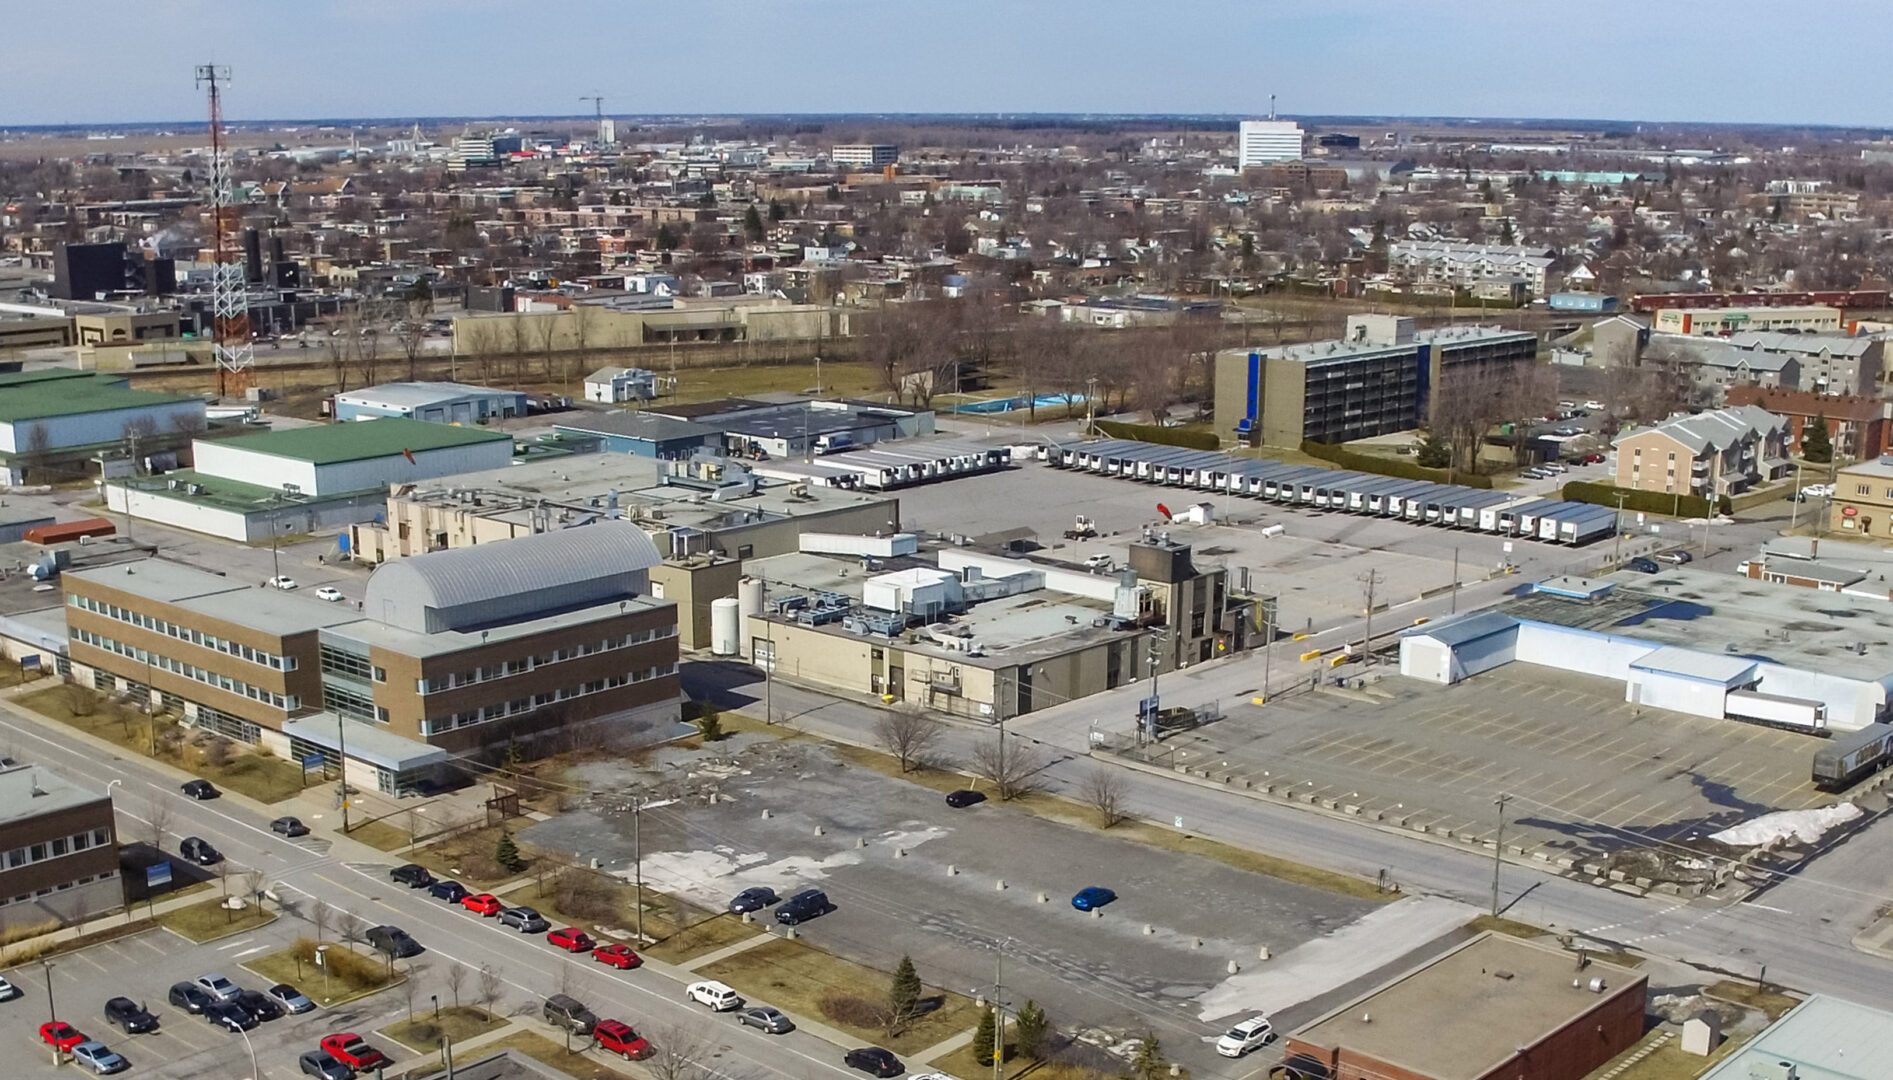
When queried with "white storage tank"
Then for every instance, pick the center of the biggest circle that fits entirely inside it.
(750, 595)
(725, 625)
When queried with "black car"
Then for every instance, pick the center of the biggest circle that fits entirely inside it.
(199, 851)
(451, 891)
(259, 1005)
(322, 1065)
(804, 906)
(394, 941)
(753, 900)
(130, 1016)
(873, 1059)
(190, 997)
(200, 789)
(964, 797)
(229, 1016)
(289, 826)
(1644, 566)
(413, 875)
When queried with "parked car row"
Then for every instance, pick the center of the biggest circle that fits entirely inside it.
(523, 919)
(800, 908)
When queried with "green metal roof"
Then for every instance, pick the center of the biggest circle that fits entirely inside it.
(358, 440)
(40, 399)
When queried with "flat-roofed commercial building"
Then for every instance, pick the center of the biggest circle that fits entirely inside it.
(58, 849)
(865, 155)
(1495, 1008)
(53, 422)
(1811, 319)
(1823, 1038)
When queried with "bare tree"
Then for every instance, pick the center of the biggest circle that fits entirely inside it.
(908, 733)
(157, 820)
(411, 986)
(411, 335)
(253, 886)
(456, 975)
(1012, 770)
(350, 928)
(1103, 790)
(224, 871)
(487, 990)
(678, 1052)
(321, 916)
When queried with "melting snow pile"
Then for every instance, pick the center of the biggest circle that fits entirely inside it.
(1803, 825)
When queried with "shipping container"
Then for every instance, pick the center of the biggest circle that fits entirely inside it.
(1772, 710)
(67, 532)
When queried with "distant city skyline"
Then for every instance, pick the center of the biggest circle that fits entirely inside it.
(1738, 61)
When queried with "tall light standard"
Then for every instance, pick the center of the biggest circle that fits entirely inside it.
(52, 1014)
(1498, 850)
(255, 1074)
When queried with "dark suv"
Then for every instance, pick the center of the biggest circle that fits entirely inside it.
(564, 1011)
(804, 906)
(125, 1013)
(394, 941)
(412, 875)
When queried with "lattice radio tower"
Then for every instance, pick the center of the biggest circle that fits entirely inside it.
(229, 293)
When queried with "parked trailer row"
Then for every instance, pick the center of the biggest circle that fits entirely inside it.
(1423, 501)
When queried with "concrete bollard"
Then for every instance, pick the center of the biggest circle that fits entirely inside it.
(1149, 929)
(900, 852)
(1196, 943)
(748, 918)
(765, 814)
(819, 831)
(1176, 1070)
(1000, 885)
(790, 934)
(1097, 913)
(979, 1001)
(1262, 953)
(860, 841)
(1045, 898)
(1233, 968)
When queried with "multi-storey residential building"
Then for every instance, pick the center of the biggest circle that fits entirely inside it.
(1464, 265)
(865, 155)
(1828, 363)
(1259, 142)
(1707, 454)
(448, 652)
(1857, 426)
(58, 849)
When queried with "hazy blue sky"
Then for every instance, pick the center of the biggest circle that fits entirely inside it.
(1714, 60)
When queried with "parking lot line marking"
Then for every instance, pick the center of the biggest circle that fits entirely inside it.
(253, 950)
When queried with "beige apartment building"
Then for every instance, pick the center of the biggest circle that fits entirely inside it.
(1708, 454)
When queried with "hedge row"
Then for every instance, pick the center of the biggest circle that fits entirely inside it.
(1405, 470)
(1643, 502)
(1153, 433)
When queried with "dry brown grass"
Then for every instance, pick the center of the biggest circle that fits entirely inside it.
(466, 857)
(1750, 996)
(380, 835)
(458, 1023)
(578, 896)
(349, 974)
(209, 920)
(1504, 926)
(26, 942)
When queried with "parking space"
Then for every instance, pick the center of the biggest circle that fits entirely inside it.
(1588, 774)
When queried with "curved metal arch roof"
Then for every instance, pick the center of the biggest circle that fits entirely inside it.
(462, 578)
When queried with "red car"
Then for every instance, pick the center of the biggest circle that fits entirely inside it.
(349, 1049)
(571, 939)
(617, 1037)
(60, 1034)
(485, 903)
(618, 956)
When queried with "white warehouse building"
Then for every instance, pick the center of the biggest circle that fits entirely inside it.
(1693, 642)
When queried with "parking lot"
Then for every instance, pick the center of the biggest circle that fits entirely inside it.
(925, 881)
(1589, 775)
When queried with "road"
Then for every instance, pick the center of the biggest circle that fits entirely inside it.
(353, 879)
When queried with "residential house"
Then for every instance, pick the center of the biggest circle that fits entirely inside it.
(1708, 454)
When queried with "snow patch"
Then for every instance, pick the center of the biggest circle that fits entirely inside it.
(710, 877)
(1803, 825)
(1333, 960)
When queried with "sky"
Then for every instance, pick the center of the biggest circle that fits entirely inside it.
(1725, 61)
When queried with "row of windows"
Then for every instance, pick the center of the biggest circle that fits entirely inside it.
(348, 703)
(54, 848)
(350, 665)
(64, 886)
(515, 667)
(501, 710)
(190, 671)
(183, 633)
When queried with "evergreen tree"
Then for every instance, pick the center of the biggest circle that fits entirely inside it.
(709, 722)
(1435, 452)
(507, 854)
(776, 211)
(1816, 445)
(1149, 1064)
(903, 994)
(752, 223)
(985, 1036)
(666, 240)
(1029, 1028)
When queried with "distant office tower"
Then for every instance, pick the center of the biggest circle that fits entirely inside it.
(869, 155)
(1263, 141)
(607, 132)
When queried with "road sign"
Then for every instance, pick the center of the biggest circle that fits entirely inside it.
(157, 874)
(1179, 821)
(312, 761)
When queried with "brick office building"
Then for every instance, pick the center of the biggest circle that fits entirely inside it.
(1495, 1008)
(58, 849)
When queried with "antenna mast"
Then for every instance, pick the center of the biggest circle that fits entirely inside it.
(229, 294)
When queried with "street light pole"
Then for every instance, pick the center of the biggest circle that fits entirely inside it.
(637, 858)
(255, 1074)
(52, 1014)
(1498, 850)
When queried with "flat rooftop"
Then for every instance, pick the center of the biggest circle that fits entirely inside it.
(413, 394)
(1465, 1013)
(39, 399)
(271, 611)
(1810, 629)
(635, 425)
(1825, 1038)
(28, 791)
(414, 643)
(359, 440)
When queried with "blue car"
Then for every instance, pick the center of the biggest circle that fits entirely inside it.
(1092, 897)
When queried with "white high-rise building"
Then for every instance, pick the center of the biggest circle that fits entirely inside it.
(1263, 141)
(607, 132)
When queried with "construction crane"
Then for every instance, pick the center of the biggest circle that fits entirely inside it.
(598, 114)
(229, 294)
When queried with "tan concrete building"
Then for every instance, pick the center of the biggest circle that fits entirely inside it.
(1862, 505)
(1732, 320)
(1708, 454)
(121, 324)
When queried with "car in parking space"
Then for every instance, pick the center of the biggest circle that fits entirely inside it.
(1092, 897)
(1595, 405)
(393, 941)
(60, 1034)
(350, 1049)
(198, 850)
(1643, 565)
(413, 875)
(619, 956)
(219, 987)
(1554, 467)
(525, 920)
(766, 1019)
(190, 997)
(8, 991)
(323, 1066)
(874, 1061)
(571, 939)
(260, 1005)
(567, 1012)
(619, 1038)
(483, 904)
(291, 999)
(718, 996)
(803, 906)
(1593, 459)
(1251, 1034)
(451, 891)
(98, 1057)
(129, 1016)
(753, 899)
(963, 798)
(1676, 557)
(289, 826)
(199, 789)
(229, 1016)
(330, 593)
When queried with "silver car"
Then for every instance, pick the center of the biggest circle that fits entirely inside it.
(219, 987)
(98, 1057)
(769, 1020)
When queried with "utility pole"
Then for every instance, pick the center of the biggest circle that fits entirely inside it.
(1794, 512)
(1617, 540)
(1369, 582)
(1455, 607)
(1498, 850)
(341, 753)
(999, 1010)
(51, 1013)
(637, 858)
(1091, 404)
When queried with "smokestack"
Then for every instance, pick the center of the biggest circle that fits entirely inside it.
(252, 257)
(275, 266)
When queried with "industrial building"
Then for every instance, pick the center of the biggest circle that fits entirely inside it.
(1724, 452)
(61, 847)
(54, 423)
(303, 480)
(617, 385)
(642, 433)
(1822, 1038)
(886, 467)
(1419, 501)
(434, 402)
(1495, 1008)
(450, 651)
(1803, 659)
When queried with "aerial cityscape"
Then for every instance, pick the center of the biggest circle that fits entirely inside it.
(1025, 542)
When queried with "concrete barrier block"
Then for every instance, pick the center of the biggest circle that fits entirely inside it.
(860, 841)
(748, 918)
(1350, 808)
(1233, 967)
(952, 870)
(1044, 898)
(820, 831)
(766, 814)
(1644, 883)
(1097, 913)
(1541, 856)
(1262, 953)
(1149, 929)
(1000, 885)
(1618, 875)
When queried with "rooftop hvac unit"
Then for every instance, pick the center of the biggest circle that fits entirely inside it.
(196, 489)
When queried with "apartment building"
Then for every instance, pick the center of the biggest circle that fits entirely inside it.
(1708, 454)
(58, 849)
(1465, 265)
(1863, 499)
(1828, 363)
(448, 652)
(865, 155)
(1858, 426)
